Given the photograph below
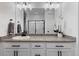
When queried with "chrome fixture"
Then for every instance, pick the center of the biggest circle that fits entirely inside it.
(54, 5)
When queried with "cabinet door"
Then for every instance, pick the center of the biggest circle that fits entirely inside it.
(16, 52)
(24, 52)
(60, 52)
(38, 52)
(67, 52)
(1, 49)
(8, 52)
(52, 52)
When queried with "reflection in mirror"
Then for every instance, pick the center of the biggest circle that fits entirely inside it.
(50, 12)
(11, 27)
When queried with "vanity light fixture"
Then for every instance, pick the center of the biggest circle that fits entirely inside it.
(54, 5)
(24, 5)
(19, 5)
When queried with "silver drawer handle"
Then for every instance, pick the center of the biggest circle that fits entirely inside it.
(59, 46)
(60, 53)
(15, 53)
(37, 55)
(15, 45)
(37, 46)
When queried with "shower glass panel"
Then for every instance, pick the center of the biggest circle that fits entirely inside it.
(32, 27)
(39, 27)
(36, 27)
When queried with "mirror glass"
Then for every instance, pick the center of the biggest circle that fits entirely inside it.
(44, 15)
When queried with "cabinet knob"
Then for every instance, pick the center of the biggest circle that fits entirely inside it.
(59, 46)
(37, 46)
(15, 45)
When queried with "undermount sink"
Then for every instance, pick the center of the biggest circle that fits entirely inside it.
(21, 37)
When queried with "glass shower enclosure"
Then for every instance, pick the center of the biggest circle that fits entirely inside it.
(36, 26)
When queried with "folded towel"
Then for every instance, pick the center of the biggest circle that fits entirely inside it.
(10, 28)
(18, 28)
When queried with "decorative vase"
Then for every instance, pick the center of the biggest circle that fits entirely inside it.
(60, 35)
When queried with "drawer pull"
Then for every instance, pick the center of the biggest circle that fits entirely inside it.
(37, 55)
(15, 45)
(37, 46)
(59, 46)
(60, 53)
(15, 53)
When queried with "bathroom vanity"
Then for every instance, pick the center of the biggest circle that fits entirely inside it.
(39, 26)
(37, 46)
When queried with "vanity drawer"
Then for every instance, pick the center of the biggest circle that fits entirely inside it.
(16, 45)
(38, 45)
(60, 45)
(38, 52)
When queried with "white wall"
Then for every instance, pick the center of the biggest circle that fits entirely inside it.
(7, 11)
(70, 15)
(49, 21)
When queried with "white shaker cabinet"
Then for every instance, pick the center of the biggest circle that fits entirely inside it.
(37, 49)
(16, 49)
(67, 52)
(60, 49)
(1, 49)
(60, 52)
(38, 52)
(52, 52)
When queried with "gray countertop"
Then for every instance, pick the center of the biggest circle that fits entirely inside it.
(38, 39)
